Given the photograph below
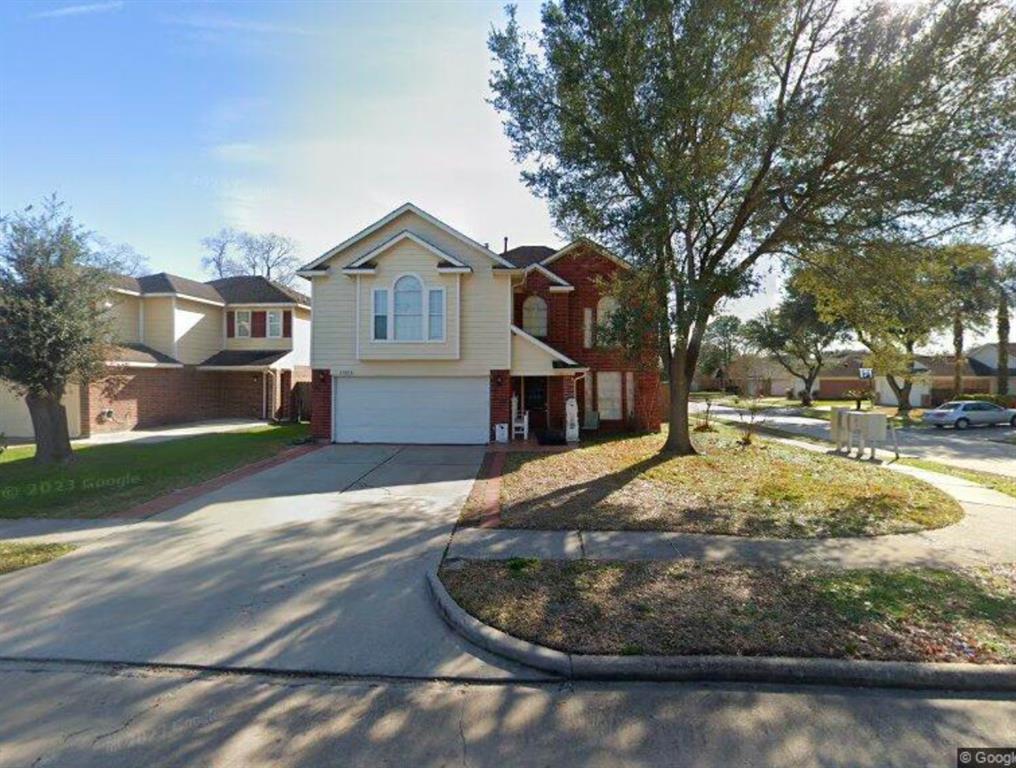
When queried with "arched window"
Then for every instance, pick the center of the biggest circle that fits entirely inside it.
(605, 309)
(408, 309)
(534, 316)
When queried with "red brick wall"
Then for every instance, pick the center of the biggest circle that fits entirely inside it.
(500, 399)
(321, 404)
(149, 397)
(585, 270)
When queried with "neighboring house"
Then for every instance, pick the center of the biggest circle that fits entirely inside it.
(933, 378)
(183, 350)
(750, 375)
(423, 335)
(984, 361)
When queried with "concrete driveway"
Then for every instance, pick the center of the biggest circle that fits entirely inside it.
(317, 565)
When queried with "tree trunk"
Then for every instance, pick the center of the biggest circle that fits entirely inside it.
(957, 356)
(49, 420)
(902, 392)
(1003, 343)
(809, 382)
(679, 433)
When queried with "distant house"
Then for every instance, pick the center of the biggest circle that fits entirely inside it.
(933, 377)
(184, 350)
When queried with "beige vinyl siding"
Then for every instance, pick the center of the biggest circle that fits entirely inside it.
(408, 258)
(262, 342)
(530, 360)
(124, 318)
(198, 330)
(301, 337)
(159, 333)
(483, 343)
(16, 421)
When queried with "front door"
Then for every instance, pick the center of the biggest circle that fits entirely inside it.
(535, 400)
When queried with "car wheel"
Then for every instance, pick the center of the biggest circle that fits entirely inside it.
(1012, 422)
(962, 423)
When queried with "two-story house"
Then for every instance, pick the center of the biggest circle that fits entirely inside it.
(423, 335)
(182, 350)
(186, 351)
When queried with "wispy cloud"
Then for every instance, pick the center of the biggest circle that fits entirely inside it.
(220, 23)
(80, 10)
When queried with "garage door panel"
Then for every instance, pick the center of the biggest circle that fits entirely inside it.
(411, 410)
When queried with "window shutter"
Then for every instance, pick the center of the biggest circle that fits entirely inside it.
(230, 324)
(287, 324)
(257, 325)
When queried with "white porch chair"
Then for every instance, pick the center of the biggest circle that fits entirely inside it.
(520, 421)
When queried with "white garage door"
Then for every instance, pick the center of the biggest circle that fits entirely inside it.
(16, 421)
(411, 410)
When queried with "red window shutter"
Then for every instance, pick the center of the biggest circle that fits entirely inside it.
(257, 325)
(230, 325)
(287, 324)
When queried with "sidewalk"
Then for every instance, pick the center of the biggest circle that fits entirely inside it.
(979, 449)
(985, 535)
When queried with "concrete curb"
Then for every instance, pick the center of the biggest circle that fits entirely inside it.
(723, 669)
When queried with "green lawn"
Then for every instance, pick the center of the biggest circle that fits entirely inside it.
(14, 555)
(105, 479)
(766, 489)
(600, 607)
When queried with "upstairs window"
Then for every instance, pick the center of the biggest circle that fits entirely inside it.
(380, 314)
(534, 316)
(243, 324)
(605, 310)
(408, 309)
(274, 324)
(435, 314)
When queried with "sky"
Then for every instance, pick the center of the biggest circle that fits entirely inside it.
(160, 123)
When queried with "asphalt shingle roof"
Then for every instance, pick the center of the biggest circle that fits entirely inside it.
(248, 289)
(138, 353)
(524, 255)
(253, 357)
(256, 290)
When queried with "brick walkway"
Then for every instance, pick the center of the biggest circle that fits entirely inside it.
(986, 534)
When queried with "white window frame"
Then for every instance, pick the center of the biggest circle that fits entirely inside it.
(243, 323)
(268, 323)
(444, 314)
(389, 312)
(587, 328)
(533, 300)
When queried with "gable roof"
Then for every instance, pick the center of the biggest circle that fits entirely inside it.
(445, 259)
(559, 357)
(244, 289)
(163, 282)
(593, 245)
(388, 218)
(254, 289)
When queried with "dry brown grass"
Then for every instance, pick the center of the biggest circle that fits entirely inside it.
(767, 489)
(688, 608)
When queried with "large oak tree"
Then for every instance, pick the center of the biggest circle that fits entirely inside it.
(700, 137)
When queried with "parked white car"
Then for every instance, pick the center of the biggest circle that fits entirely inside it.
(969, 413)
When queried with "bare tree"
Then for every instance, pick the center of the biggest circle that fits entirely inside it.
(270, 255)
(218, 259)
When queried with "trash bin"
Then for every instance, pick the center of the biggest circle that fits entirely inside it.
(501, 433)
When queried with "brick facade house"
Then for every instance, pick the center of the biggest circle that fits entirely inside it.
(423, 335)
